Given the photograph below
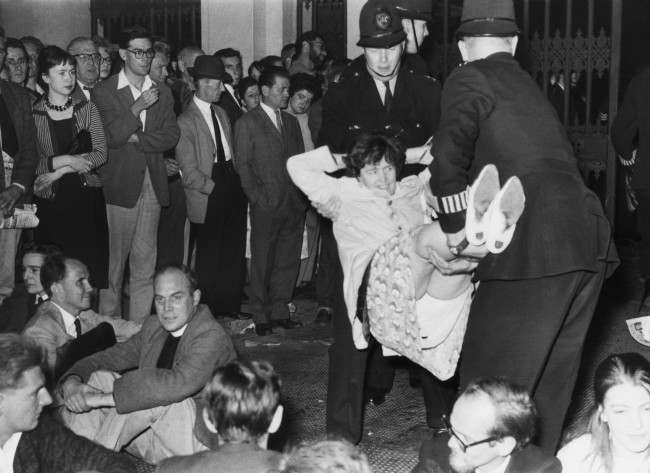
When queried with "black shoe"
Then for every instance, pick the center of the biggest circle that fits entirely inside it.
(374, 397)
(286, 323)
(262, 329)
(323, 316)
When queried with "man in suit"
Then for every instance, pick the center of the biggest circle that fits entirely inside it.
(215, 200)
(265, 138)
(378, 92)
(243, 409)
(536, 299)
(140, 126)
(32, 443)
(229, 99)
(490, 429)
(64, 325)
(165, 365)
(87, 58)
(172, 237)
(19, 155)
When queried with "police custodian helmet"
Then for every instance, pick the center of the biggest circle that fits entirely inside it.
(380, 25)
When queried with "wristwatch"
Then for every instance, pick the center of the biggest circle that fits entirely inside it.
(459, 248)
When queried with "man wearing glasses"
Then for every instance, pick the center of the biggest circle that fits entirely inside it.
(84, 51)
(489, 431)
(138, 115)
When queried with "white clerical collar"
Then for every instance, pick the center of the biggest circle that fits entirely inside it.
(499, 469)
(179, 332)
(123, 81)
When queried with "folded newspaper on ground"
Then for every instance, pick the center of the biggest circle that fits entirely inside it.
(639, 328)
(21, 218)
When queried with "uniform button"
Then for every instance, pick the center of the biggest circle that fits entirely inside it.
(399, 228)
(390, 202)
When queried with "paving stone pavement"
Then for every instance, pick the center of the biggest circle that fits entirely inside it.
(393, 431)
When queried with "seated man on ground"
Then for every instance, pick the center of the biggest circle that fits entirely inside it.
(242, 406)
(327, 456)
(151, 407)
(17, 309)
(29, 442)
(64, 325)
(490, 429)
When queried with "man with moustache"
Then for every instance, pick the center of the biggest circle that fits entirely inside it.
(265, 138)
(310, 54)
(140, 124)
(87, 58)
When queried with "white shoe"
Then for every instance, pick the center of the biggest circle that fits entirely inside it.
(502, 216)
(481, 193)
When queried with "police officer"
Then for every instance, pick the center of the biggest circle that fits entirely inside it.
(536, 299)
(415, 15)
(379, 95)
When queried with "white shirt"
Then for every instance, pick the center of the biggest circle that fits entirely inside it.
(231, 91)
(122, 82)
(68, 321)
(271, 113)
(85, 92)
(381, 88)
(204, 108)
(500, 469)
(8, 452)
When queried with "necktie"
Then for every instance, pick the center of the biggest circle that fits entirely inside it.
(221, 155)
(237, 98)
(166, 357)
(77, 327)
(278, 121)
(85, 87)
(388, 96)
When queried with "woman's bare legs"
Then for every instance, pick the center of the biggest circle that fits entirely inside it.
(426, 278)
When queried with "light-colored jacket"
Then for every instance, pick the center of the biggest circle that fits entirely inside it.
(195, 153)
(365, 220)
(48, 330)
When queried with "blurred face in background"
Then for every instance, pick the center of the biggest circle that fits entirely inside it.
(232, 65)
(106, 62)
(16, 63)
(32, 55)
(251, 97)
(32, 264)
(159, 71)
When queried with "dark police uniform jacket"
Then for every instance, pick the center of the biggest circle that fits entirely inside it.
(493, 112)
(353, 106)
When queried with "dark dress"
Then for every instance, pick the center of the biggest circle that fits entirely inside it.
(75, 220)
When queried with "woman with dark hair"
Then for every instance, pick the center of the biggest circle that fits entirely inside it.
(249, 91)
(385, 223)
(72, 146)
(616, 438)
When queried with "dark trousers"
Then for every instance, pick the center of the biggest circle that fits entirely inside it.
(350, 367)
(171, 227)
(328, 260)
(643, 227)
(532, 333)
(220, 243)
(276, 241)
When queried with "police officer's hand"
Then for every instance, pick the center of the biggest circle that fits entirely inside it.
(454, 266)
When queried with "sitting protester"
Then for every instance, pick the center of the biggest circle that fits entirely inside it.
(616, 438)
(242, 406)
(64, 325)
(35, 443)
(327, 456)
(490, 429)
(150, 407)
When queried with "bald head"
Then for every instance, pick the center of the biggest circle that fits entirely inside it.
(87, 58)
(187, 56)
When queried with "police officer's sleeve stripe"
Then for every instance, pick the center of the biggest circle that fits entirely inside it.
(454, 203)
